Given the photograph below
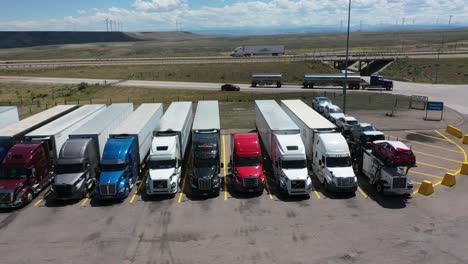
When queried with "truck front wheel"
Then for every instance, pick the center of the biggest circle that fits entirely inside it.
(379, 187)
(28, 198)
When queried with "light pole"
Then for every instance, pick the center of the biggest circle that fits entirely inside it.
(347, 60)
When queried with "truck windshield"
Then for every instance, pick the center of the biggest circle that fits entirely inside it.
(204, 163)
(14, 173)
(246, 161)
(293, 164)
(324, 101)
(162, 164)
(69, 168)
(335, 162)
(369, 128)
(113, 167)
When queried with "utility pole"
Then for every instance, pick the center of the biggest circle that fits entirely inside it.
(107, 24)
(347, 60)
(450, 19)
(403, 22)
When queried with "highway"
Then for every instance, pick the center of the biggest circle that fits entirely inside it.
(454, 96)
(20, 64)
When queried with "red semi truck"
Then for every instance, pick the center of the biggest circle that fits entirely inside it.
(25, 172)
(247, 163)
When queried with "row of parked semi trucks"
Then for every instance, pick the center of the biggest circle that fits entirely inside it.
(102, 150)
(354, 81)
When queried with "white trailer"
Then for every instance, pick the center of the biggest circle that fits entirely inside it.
(56, 132)
(258, 51)
(168, 149)
(282, 140)
(327, 150)
(8, 115)
(386, 179)
(140, 125)
(15, 132)
(102, 124)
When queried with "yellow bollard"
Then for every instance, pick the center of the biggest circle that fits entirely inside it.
(464, 168)
(426, 188)
(449, 179)
(454, 131)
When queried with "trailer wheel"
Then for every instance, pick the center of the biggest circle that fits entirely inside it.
(254, 84)
(278, 85)
(379, 187)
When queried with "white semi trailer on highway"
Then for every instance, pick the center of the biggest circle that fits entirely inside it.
(327, 150)
(168, 150)
(283, 143)
(258, 51)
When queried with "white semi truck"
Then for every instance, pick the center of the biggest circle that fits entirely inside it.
(258, 51)
(386, 179)
(168, 150)
(327, 150)
(283, 143)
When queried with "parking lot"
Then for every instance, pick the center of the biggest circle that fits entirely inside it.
(256, 228)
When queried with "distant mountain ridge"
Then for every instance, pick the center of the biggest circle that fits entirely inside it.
(23, 39)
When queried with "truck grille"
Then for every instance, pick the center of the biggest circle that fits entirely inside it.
(298, 184)
(204, 184)
(107, 189)
(6, 197)
(160, 184)
(251, 182)
(399, 182)
(345, 182)
(63, 190)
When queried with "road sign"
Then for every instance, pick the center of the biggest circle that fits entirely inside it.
(435, 106)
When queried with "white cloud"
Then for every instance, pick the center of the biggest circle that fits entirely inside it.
(162, 14)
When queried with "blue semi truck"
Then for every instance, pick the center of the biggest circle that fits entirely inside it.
(126, 152)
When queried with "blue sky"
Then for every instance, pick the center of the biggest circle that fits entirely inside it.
(161, 15)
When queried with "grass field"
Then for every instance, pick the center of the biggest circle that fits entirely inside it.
(237, 109)
(224, 72)
(450, 71)
(214, 46)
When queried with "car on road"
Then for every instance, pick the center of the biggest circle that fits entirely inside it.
(333, 112)
(230, 88)
(366, 132)
(319, 103)
(394, 153)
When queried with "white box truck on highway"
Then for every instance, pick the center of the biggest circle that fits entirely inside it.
(283, 143)
(56, 132)
(327, 150)
(8, 115)
(168, 149)
(15, 132)
(258, 51)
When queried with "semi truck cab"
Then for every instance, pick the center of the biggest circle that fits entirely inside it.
(77, 169)
(24, 173)
(206, 165)
(289, 164)
(247, 163)
(165, 165)
(332, 163)
(119, 169)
